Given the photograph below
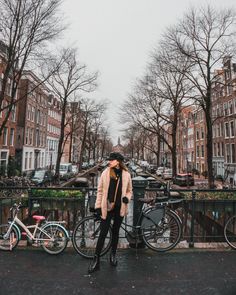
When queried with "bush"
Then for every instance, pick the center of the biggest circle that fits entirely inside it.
(48, 193)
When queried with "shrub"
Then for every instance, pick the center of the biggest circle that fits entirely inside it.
(50, 193)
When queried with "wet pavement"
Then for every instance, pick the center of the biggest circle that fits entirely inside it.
(32, 271)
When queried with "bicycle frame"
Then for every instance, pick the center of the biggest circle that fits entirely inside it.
(37, 228)
(144, 213)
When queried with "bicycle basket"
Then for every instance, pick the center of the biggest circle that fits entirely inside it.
(152, 217)
(92, 201)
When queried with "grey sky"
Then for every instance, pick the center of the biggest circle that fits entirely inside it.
(115, 38)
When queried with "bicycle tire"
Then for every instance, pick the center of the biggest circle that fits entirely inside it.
(5, 244)
(230, 232)
(60, 236)
(85, 236)
(163, 235)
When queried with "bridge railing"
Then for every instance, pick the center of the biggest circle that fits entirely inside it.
(203, 212)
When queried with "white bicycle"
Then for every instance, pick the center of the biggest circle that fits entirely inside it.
(50, 235)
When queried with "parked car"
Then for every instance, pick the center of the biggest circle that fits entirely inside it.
(42, 177)
(65, 171)
(85, 165)
(91, 163)
(184, 179)
(159, 171)
(75, 169)
(167, 174)
(152, 168)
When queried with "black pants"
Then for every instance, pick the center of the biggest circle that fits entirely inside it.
(105, 223)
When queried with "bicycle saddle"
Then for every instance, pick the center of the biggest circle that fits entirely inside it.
(162, 199)
(145, 200)
(38, 217)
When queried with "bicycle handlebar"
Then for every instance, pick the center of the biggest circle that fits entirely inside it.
(16, 206)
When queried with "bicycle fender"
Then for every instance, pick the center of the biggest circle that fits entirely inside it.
(17, 229)
(62, 227)
(177, 215)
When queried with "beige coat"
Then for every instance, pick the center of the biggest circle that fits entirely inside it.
(102, 191)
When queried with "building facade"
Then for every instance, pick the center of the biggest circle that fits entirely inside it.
(31, 124)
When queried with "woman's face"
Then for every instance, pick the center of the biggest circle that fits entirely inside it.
(113, 163)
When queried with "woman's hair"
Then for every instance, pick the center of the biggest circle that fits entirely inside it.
(122, 166)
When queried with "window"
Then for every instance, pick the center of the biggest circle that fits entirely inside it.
(12, 132)
(38, 117)
(13, 113)
(226, 129)
(232, 128)
(33, 113)
(3, 159)
(203, 151)
(230, 107)
(226, 109)
(27, 136)
(28, 112)
(218, 149)
(233, 153)
(202, 132)
(222, 129)
(5, 133)
(198, 153)
(214, 149)
(30, 160)
(222, 149)
(197, 135)
(26, 160)
(37, 138)
(227, 153)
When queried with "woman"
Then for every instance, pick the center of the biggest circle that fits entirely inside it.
(113, 195)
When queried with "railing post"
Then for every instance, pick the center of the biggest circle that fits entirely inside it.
(139, 185)
(191, 243)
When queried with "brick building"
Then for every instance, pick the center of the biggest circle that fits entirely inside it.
(53, 131)
(8, 137)
(31, 123)
(224, 114)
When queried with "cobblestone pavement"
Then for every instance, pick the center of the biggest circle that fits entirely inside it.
(32, 271)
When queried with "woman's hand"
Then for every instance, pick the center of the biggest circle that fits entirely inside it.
(98, 212)
(125, 200)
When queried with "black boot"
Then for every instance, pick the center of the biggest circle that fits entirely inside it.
(113, 259)
(95, 264)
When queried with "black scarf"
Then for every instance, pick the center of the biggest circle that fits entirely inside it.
(112, 186)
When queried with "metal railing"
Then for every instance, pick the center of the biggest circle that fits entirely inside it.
(203, 212)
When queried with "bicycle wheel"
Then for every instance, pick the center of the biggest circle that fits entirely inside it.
(230, 232)
(59, 237)
(10, 242)
(164, 233)
(85, 236)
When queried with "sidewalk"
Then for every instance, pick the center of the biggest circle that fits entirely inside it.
(190, 272)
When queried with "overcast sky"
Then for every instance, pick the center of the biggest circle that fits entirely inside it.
(115, 38)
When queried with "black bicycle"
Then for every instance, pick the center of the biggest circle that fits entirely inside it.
(158, 226)
(230, 232)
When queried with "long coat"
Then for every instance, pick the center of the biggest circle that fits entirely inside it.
(102, 192)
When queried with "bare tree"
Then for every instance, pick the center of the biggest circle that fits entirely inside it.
(204, 36)
(91, 112)
(26, 26)
(69, 79)
(157, 100)
(173, 91)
